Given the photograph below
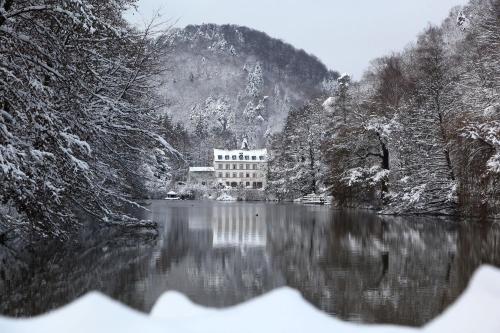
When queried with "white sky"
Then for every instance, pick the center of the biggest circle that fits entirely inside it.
(344, 34)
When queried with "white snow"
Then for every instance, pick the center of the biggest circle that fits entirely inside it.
(414, 194)
(226, 197)
(462, 21)
(282, 310)
(244, 144)
(372, 175)
(201, 169)
(477, 310)
(491, 111)
(329, 104)
(74, 140)
(493, 163)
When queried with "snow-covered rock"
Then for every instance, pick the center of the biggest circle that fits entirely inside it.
(282, 310)
(226, 197)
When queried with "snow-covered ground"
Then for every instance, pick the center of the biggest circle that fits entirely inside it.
(226, 197)
(282, 310)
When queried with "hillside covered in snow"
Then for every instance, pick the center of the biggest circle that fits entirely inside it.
(234, 82)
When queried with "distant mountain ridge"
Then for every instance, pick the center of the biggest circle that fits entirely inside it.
(239, 80)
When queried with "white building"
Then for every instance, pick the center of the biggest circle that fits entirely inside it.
(241, 168)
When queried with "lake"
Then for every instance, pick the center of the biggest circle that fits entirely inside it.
(351, 264)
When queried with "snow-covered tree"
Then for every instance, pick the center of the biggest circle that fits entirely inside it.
(421, 127)
(296, 166)
(215, 113)
(255, 82)
(76, 108)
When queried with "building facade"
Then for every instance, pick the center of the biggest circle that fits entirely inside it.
(241, 168)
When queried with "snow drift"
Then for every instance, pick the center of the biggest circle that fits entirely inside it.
(282, 310)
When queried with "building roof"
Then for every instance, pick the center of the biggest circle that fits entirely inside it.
(201, 169)
(254, 152)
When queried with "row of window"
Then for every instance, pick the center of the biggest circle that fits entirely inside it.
(235, 175)
(241, 157)
(235, 167)
(247, 184)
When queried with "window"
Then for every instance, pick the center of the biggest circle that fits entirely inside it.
(248, 166)
(241, 174)
(247, 158)
(226, 157)
(241, 166)
(259, 185)
(235, 175)
(234, 167)
(228, 166)
(227, 183)
(219, 157)
(220, 166)
(241, 156)
(254, 166)
(254, 175)
(228, 175)
(247, 183)
(254, 158)
(234, 157)
(261, 158)
(248, 175)
(220, 174)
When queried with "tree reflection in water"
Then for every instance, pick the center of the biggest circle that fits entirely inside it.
(353, 264)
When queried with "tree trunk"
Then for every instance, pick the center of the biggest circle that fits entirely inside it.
(311, 167)
(385, 165)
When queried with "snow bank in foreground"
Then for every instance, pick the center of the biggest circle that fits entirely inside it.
(282, 310)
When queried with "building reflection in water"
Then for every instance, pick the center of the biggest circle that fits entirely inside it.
(242, 226)
(216, 254)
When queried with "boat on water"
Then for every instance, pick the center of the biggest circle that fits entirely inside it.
(312, 199)
(172, 196)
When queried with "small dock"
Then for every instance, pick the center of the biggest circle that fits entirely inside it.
(312, 199)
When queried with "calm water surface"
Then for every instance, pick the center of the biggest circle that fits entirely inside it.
(351, 264)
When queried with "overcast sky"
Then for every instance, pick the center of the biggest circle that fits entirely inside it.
(344, 34)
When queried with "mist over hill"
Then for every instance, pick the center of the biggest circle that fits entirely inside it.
(233, 82)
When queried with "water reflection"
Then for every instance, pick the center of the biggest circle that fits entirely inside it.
(239, 226)
(214, 253)
(354, 265)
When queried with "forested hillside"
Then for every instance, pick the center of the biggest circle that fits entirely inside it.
(419, 133)
(225, 83)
